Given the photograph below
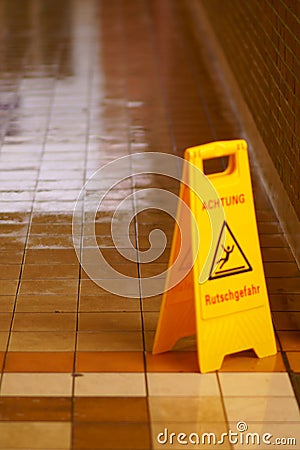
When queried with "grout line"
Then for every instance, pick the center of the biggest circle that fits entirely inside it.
(89, 81)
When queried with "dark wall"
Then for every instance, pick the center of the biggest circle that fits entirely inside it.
(261, 39)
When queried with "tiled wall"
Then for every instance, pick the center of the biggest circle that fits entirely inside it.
(261, 40)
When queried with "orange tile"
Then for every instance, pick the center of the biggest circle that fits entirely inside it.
(294, 360)
(110, 409)
(109, 362)
(172, 362)
(35, 409)
(39, 362)
(248, 362)
(116, 435)
(290, 340)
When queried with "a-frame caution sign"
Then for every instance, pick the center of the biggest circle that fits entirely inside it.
(223, 299)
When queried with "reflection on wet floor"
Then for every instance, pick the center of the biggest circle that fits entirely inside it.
(83, 83)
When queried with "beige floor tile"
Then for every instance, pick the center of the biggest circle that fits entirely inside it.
(53, 242)
(46, 271)
(114, 321)
(130, 270)
(42, 341)
(5, 321)
(182, 384)
(127, 288)
(150, 320)
(110, 384)
(152, 303)
(255, 384)
(36, 384)
(61, 287)
(51, 256)
(149, 340)
(3, 340)
(44, 322)
(11, 256)
(110, 341)
(13, 243)
(52, 229)
(273, 431)
(186, 409)
(46, 303)
(262, 409)
(8, 287)
(35, 435)
(7, 303)
(91, 303)
(9, 271)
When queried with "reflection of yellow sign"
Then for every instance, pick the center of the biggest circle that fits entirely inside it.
(230, 311)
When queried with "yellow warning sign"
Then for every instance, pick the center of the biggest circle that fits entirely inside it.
(223, 299)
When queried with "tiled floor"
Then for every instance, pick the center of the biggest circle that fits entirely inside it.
(81, 84)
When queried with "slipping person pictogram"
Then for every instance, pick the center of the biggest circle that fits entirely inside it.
(228, 251)
(233, 259)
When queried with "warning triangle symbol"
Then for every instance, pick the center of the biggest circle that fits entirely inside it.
(233, 260)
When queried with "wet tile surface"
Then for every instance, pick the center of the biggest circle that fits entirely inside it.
(81, 85)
